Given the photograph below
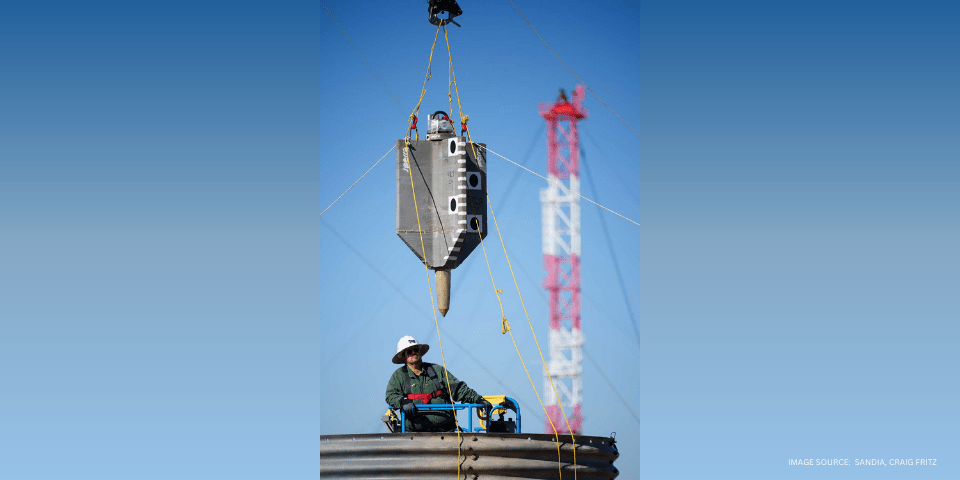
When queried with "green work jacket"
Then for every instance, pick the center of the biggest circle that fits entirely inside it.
(433, 420)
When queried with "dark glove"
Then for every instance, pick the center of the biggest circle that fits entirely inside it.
(409, 409)
(487, 407)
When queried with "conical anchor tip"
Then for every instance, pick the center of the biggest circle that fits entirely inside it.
(443, 291)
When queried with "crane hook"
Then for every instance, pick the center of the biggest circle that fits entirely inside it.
(435, 7)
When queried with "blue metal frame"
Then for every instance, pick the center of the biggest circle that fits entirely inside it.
(461, 406)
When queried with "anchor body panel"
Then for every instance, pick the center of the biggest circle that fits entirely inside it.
(451, 195)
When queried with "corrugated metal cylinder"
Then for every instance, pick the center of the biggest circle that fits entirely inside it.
(484, 456)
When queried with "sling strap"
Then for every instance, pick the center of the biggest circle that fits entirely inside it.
(424, 397)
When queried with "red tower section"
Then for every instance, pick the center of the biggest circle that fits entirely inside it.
(560, 203)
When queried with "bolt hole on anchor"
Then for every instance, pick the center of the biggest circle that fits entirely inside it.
(453, 146)
(453, 204)
(475, 223)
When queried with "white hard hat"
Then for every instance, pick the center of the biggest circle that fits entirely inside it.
(405, 343)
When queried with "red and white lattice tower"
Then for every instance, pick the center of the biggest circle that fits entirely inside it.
(560, 203)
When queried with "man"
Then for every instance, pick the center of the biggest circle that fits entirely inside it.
(418, 382)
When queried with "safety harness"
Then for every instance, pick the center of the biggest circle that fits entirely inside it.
(424, 397)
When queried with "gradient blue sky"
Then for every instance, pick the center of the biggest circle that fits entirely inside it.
(172, 305)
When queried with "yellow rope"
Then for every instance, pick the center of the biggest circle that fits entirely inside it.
(505, 325)
(433, 306)
(426, 78)
(550, 377)
(571, 70)
(462, 116)
(423, 252)
(450, 82)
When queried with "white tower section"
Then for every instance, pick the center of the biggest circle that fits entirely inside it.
(560, 203)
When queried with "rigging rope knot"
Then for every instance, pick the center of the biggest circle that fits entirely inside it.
(463, 122)
(413, 121)
(504, 326)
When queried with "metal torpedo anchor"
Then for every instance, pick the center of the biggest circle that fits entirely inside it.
(450, 187)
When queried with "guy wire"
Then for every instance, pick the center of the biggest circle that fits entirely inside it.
(507, 329)
(542, 360)
(358, 180)
(565, 189)
(571, 70)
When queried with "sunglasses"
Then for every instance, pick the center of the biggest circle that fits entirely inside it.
(412, 351)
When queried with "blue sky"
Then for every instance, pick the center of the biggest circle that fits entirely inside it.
(172, 304)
